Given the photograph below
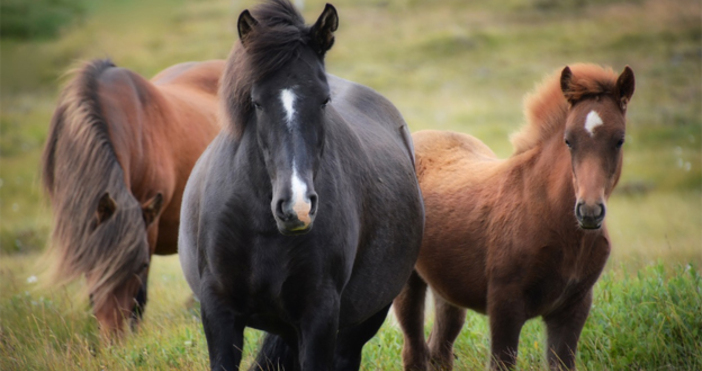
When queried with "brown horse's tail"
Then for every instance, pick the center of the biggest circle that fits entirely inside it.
(79, 165)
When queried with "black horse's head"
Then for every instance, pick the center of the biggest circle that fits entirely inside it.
(289, 100)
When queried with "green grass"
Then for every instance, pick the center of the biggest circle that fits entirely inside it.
(641, 320)
(449, 65)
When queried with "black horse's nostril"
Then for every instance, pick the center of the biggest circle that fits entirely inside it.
(280, 212)
(313, 204)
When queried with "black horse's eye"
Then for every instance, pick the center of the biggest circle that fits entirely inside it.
(620, 143)
(326, 102)
(256, 104)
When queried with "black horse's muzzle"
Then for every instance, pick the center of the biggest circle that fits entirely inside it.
(294, 218)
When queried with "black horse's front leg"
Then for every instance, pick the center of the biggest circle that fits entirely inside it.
(350, 341)
(224, 332)
(317, 333)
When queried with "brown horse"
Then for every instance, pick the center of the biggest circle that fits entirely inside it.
(119, 151)
(521, 237)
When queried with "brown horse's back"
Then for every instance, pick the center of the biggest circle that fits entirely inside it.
(190, 89)
(196, 75)
(178, 106)
(454, 170)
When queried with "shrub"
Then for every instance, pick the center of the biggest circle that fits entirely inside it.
(22, 19)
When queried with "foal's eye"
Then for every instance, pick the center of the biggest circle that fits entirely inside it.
(620, 143)
(567, 143)
(326, 102)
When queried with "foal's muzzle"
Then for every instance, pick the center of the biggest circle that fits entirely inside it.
(295, 217)
(590, 216)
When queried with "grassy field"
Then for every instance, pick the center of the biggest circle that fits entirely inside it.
(449, 65)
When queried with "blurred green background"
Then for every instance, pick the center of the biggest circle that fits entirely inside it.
(447, 65)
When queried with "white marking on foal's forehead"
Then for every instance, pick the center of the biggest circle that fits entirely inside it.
(592, 121)
(287, 96)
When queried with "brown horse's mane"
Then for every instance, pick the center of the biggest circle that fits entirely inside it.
(277, 39)
(79, 165)
(546, 107)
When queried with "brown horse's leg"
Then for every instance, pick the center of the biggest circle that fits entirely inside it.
(563, 328)
(506, 314)
(448, 324)
(409, 310)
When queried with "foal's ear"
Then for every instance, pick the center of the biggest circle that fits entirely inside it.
(566, 77)
(245, 24)
(625, 86)
(323, 29)
(106, 207)
(151, 208)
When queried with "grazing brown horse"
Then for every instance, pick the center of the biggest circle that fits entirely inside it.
(119, 151)
(521, 237)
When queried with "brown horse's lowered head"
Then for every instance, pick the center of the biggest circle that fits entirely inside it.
(100, 230)
(594, 133)
(118, 284)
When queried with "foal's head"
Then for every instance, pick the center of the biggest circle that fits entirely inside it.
(594, 133)
(287, 98)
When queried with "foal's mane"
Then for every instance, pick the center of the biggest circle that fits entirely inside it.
(277, 39)
(79, 164)
(546, 108)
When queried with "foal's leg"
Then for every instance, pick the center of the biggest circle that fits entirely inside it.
(317, 332)
(447, 325)
(506, 315)
(350, 341)
(409, 310)
(563, 328)
(224, 333)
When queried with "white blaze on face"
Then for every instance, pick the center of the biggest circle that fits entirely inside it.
(592, 121)
(301, 204)
(287, 96)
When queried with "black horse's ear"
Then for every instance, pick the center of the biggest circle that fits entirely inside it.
(566, 77)
(106, 207)
(151, 208)
(245, 25)
(625, 86)
(323, 29)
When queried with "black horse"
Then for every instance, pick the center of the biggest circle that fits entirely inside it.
(303, 218)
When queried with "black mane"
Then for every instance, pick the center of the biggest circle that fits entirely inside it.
(277, 39)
